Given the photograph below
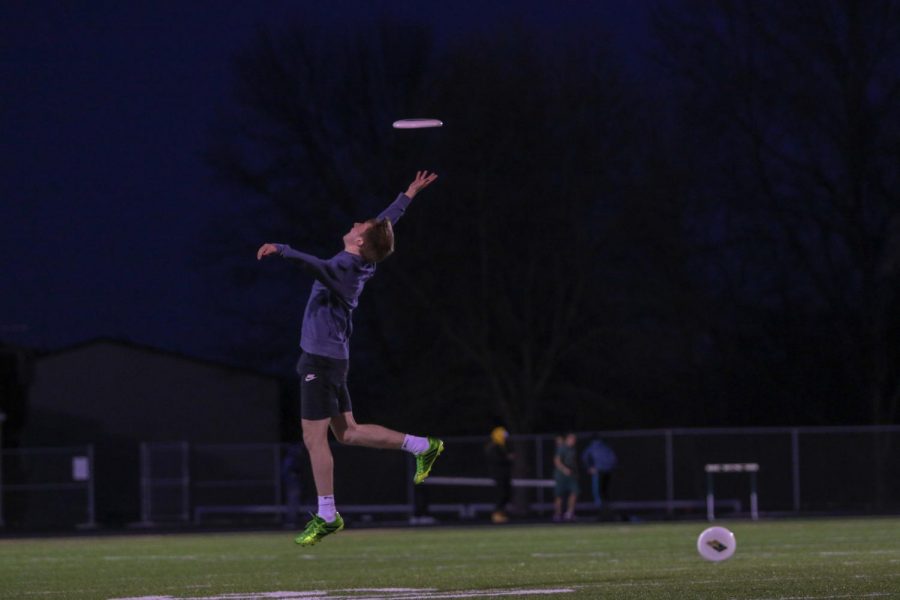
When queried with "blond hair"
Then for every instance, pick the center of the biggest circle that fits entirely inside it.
(378, 241)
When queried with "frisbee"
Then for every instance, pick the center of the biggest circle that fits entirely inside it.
(716, 544)
(417, 123)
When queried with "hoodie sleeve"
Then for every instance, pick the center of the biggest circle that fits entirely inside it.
(396, 209)
(322, 270)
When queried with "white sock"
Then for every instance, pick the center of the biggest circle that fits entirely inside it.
(414, 444)
(326, 508)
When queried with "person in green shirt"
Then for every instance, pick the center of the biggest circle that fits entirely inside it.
(565, 474)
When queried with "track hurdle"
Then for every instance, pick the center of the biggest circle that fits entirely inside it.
(713, 469)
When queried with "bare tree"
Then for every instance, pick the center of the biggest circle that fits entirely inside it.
(796, 106)
(515, 285)
(308, 149)
(531, 284)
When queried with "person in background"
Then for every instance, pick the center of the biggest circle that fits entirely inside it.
(566, 476)
(600, 460)
(499, 460)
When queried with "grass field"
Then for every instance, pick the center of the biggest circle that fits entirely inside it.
(828, 558)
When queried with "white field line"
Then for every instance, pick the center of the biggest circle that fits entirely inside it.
(192, 557)
(869, 595)
(371, 594)
(852, 552)
(493, 593)
(397, 590)
(241, 596)
(566, 554)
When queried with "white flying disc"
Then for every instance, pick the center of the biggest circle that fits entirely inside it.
(417, 123)
(716, 544)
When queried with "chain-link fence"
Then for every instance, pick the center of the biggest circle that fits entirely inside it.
(48, 487)
(165, 482)
(660, 473)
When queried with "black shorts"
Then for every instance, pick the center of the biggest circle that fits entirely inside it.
(323, 386)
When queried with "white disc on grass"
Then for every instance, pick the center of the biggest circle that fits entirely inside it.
(716, 544)
(417, 123)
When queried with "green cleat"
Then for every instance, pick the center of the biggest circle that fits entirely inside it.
(425, 460)
(317, 528)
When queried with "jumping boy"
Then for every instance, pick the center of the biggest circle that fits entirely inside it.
(324, 362)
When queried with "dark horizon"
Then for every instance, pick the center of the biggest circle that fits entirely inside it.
(686, 220)
(107, 112)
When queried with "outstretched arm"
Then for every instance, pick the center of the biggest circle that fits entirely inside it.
(319, 268)
(398, 207)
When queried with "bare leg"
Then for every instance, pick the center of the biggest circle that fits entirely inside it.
(557, 507)
(315, 437)
(570, 512)
(348, 431)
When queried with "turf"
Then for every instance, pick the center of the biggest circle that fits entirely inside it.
(826, 558)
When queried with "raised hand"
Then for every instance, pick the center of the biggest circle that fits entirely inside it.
(423, 180)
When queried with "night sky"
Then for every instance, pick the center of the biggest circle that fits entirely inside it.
(105, 110)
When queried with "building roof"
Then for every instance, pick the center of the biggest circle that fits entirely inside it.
(103, 340)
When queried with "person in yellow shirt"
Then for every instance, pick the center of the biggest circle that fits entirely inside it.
(499, 459)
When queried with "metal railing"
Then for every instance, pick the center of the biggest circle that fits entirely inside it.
(35, 480)
(659, 471)
(165, 482)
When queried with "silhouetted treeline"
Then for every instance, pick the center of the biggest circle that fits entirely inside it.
(595, 254)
